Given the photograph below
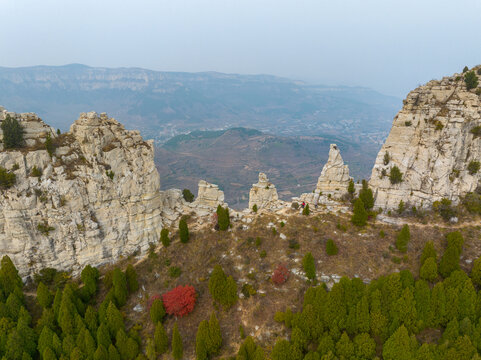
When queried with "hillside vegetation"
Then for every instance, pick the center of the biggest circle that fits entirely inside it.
(289, 298)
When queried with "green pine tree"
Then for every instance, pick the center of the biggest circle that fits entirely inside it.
(119, 283)
(164, 237)
(157, 311)
(177, 347)
(215, 335)
(428, 251)
(366, 196)
(132, 282)
(12, 133)
(359, 216)
(101, 353)
(161, 341)
(202, 341)
(309, 266)
(44, 297)
(403, 238)
(183, 231)
(223, 219)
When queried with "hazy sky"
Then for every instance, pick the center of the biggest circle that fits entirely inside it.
(391, 46)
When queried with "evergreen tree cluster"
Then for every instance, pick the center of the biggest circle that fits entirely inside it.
(223, 289)
(354, 319)
(208, 340)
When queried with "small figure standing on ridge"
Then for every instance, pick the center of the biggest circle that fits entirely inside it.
(303, 205)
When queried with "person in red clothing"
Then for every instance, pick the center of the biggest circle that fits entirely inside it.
(303, 204)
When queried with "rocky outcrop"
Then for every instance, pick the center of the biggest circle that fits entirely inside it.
(435, 142)
(263, 194)
(209, 195)
(332, 183)
(97, 198)
(334, 178)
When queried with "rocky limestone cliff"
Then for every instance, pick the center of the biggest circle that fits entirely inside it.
(98, 196)
(263, 194)
(332, 183)
(433, 141)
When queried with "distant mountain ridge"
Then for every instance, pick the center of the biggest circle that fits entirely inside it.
(164, 104)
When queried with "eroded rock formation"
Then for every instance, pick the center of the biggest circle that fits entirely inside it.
(97, 197)
(433, 141)
(263, 194)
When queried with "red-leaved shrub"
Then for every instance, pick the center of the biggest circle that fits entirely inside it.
(280, 275)
(179, 301)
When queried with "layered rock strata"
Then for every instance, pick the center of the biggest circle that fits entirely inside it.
(435, 142)
(97, 197)
(263, 194)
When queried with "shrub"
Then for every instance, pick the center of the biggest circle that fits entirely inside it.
(294, 244)
(471, 80)
(180, 301)
(188, 196)
(36, 172)
(444, 208)
(401, 207)
(49, 145)
(295, 205)
(465, 69)
(164, 237)
(478, 71)
(309, 266)
(263, 254)
(395, 176)
(157, 311)
(408, 123)
(403, 238)
(351, 188)
(223, 219)
(223, 289)
(254, 208)
(7, 178)
(110, 174)
(429, 270)
(473, 167)
(306, 210)
(331, 248)
(174, 271)
(12, 133)
(44, 228)
(386, 158)
(472, 203)
(183, 231)
(280, 275)
(359, 216)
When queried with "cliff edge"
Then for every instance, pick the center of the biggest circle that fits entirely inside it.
(435, 143)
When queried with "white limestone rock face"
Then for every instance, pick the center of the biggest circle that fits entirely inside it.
(263, 194)
(209, 195)
(98, 194)
(334, 179)
(432, 144)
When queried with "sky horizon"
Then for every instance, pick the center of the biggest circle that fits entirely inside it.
(388, 46)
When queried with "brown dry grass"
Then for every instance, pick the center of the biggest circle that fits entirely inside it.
(362, 253)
